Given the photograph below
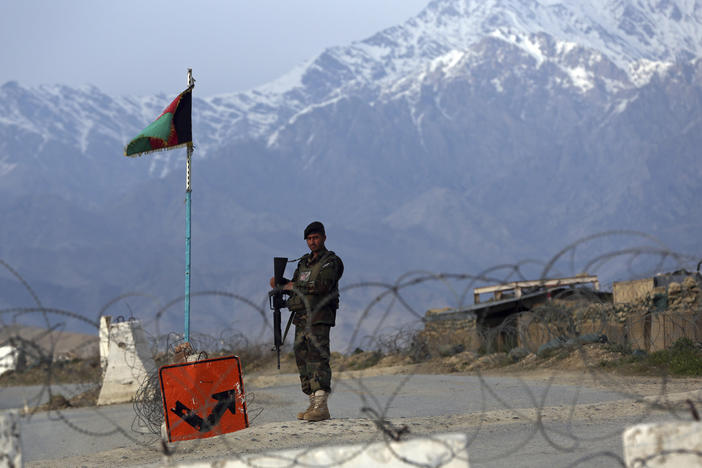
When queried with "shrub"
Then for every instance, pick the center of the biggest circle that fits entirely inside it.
(682, 358)
(619, 348)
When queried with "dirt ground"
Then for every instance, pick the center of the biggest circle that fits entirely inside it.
(642, 397)
(583, 365)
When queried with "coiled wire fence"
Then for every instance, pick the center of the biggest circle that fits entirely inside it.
(554, 380)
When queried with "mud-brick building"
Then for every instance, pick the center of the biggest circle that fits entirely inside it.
(649, 314)
(493, 324)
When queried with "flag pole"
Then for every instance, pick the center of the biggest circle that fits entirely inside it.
(188, 190)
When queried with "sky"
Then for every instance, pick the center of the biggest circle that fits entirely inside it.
(130, 47)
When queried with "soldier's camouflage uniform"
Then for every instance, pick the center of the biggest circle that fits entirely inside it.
(318, 281)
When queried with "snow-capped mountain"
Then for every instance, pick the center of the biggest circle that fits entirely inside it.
(623, 41)
(476, 133)
(637, 38)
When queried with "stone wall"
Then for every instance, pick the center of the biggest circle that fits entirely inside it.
(652, 323)
(440, 334)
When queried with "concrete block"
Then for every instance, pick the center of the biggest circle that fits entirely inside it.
(129, 362)
(104, 341)
(663, 445)
(10, 443)
(441, 450)
(9, 355)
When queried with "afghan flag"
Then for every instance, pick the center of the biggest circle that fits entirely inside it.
(171, 129)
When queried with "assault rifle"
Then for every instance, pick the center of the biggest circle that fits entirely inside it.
(277, 301)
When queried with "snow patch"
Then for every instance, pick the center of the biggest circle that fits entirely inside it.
(534, 49)
(84, 132)
(523, 42)
(643, 70)
(621, 106)
(581, 78)
(446, 61)
(565, 47)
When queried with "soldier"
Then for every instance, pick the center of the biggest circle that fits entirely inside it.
(316, 280)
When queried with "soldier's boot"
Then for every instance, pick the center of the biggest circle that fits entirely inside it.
(320, 411)
(302, 414)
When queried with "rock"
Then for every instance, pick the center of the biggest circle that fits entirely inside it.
(674, 288)
(517, 354)
(489, 361)
(689, 283)
(446, 350)
(462, 360)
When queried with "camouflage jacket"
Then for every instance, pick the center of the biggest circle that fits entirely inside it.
(317, 279)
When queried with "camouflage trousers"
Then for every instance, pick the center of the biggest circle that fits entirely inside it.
(312, 357)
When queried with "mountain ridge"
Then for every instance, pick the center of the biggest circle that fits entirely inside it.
(445, 157)
(443, 27)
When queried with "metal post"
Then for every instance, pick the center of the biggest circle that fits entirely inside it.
(188, 190)
(187, 245)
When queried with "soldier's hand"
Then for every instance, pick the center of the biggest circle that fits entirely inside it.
(272, 281)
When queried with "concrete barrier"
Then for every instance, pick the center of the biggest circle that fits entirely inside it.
(658, 445)
(129, 362)
(441, 450)
(104, 341)
(9, 355)
(10, 443)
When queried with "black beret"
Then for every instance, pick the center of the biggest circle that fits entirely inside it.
(314, 227)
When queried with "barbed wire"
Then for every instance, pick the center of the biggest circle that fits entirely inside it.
(575, 332)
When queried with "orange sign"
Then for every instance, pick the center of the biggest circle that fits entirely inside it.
(203, 399)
